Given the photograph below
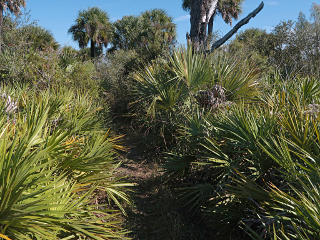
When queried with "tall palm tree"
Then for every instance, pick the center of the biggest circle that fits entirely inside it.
(14, 6)
(158, 31)
(92, 25)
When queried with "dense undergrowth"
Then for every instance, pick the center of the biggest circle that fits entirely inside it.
(237, 135)
(242, 146)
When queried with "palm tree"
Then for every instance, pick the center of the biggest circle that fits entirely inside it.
(158, 32)
(39, 38)
(92, 25)
(14, 7)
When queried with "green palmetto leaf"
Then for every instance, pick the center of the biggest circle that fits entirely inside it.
(295, 209)
(159, 90)
(299, 127)
(302, 211)
(240, 80)
(193, 68)
(215, 155)
(310, 90)
(279, 152)
(193, 197)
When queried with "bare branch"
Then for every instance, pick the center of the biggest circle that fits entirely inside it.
(244, 21)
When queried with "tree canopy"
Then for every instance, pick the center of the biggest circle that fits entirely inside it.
(14, 6)
(150, 34)
(39, 38)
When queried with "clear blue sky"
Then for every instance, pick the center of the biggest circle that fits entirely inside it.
(58, 15)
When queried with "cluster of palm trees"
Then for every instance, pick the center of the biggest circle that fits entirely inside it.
(151, 30)
(93, 24)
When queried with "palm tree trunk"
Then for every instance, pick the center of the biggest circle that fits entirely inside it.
(93, 48)
(201, 12)
(210, 32)
(210, 24)
(1, 25)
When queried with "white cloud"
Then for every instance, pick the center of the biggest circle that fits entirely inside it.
(272, 3)
(268, 29)
(114, 19)
(182, 18)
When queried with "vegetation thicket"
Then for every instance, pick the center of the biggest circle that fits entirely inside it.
(14, 6)
(235, 132)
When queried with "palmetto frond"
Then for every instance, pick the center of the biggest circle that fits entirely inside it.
(239, 78)
(192, 68)
(291, 210)
(159, 90)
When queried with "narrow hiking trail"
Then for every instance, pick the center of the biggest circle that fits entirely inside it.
(156, 213)
(147, 216)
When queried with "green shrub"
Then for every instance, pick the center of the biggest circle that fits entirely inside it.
(115, 74)
(169, 88)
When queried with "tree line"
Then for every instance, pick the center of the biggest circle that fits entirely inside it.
(156, 27)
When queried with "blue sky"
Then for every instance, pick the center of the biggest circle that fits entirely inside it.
(58, 15)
